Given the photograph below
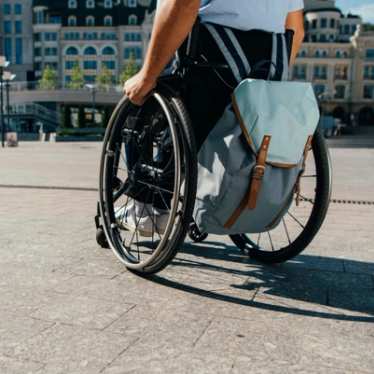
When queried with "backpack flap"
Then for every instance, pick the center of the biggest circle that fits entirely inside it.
(286, 111)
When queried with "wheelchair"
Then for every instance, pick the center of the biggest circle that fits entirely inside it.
(149, 152)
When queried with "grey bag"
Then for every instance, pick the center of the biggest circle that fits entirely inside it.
(248, 169)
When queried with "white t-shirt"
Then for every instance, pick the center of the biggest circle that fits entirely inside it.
(268, 15)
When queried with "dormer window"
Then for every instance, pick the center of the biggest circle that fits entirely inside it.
(90, 21)
(72, 21)
(133, 19)
(72, 4)
(108, 21)
(108, 4)
(90, 4)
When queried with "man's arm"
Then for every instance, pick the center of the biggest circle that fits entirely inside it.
(174, 20)
(295, 22)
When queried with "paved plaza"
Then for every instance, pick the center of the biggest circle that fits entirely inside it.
(69, 307)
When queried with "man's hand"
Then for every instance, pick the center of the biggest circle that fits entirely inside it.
(138, 88)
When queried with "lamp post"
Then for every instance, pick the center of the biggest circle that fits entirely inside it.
(92, 88)
(3, 64)
(7, 78)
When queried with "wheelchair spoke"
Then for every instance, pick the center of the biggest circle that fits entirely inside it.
(295, 219)
(286, 229)
(271, 241)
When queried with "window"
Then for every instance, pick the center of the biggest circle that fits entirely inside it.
(108, 21)
(108, 36)
(90, 78)
(369, 72)
(314, 24)
(341, 72)
(347, 29)
(108, 51)
(73, 4)
(90, 51)
(90, 4)
(39, 17)
(37, 37)
(7, 9)
(370, 53)
(368, 92)
(134, 52)
(90, 21)
(18, 27)
(111, 65)
(72, 51)
(37, 52)
(339, 92)
(72, 21)
(319, 89)
(332, 23)
(19, 51)
(50, 52)
(50, 36)
(7, 27)
(133, 37)
(69, 65)
(322, 38)
(323, 23)
(320, 72)
(108, 4)
(90, 65)
(299, 72)
(132, 3)
(8, 49)
(133, 19)
(18, 8)
(55, 19)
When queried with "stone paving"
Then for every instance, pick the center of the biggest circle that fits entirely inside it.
(68, 306)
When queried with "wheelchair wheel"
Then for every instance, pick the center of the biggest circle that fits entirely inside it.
(302, 222)
(148, 175)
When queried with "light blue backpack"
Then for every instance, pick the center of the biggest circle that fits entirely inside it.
(250, 164)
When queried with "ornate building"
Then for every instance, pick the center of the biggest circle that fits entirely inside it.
(91, 33)
(338, 57)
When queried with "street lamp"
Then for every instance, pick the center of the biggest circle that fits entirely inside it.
(93, 89)
(3, 64)
(7, 78)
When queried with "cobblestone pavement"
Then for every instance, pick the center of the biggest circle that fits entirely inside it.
(69, 307)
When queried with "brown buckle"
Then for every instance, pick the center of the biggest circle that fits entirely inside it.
(258, 172)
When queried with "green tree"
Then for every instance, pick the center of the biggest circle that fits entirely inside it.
(104, 78)
(48, 80)
(129, 70)
(77, 78)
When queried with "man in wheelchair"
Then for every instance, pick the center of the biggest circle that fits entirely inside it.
(239, 38)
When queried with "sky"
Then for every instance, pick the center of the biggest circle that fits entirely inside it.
(364, 8)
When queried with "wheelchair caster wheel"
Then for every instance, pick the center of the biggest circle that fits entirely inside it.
(195, 234)
(101, 238)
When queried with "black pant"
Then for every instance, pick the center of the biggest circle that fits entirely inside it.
(206, 95)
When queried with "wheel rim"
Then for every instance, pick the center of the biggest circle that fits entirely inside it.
(132, 247)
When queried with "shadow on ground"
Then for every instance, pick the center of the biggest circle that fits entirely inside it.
(322, 287)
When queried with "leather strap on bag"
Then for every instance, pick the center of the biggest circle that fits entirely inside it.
(250, 199)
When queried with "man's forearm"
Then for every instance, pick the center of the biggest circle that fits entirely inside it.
(174, 20)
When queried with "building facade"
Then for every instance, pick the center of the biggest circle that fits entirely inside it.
(90, 33)
(338, 58)
(16, 40)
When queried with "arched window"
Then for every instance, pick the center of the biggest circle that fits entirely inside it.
(72, 51)
(132, 3)
(108, 51)
(73, 4)
(338, 54)
(90, 21)
(89, 51)
(72, 21)
(90, 4)
(133, 19)
(108, 21)
(317, 53)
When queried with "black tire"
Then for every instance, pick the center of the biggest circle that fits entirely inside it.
(184, 138)
(315, 220)
(101, 238)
